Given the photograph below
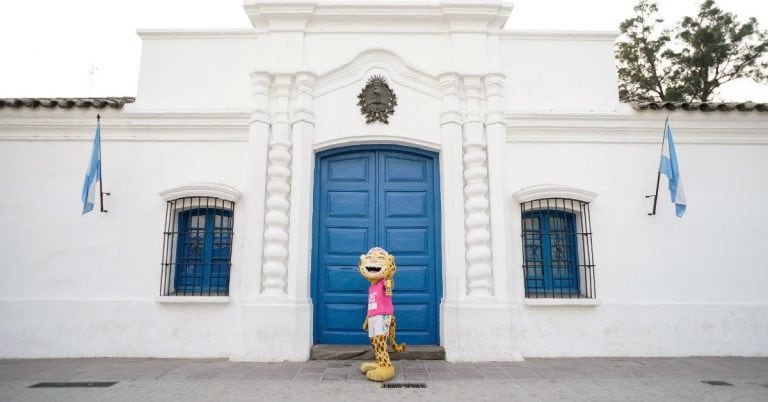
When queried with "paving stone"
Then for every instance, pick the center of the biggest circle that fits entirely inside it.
(335, 377)
(539, 379)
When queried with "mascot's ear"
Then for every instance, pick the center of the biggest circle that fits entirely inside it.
(362, 257)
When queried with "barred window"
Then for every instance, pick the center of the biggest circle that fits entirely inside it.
(557, 249)
(197, 247)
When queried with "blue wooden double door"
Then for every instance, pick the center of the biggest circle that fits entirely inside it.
(382, 196)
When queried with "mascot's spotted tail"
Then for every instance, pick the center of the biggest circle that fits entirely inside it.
(378, 267)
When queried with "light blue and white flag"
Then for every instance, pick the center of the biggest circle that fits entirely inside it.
(93, 174)
(670, 168)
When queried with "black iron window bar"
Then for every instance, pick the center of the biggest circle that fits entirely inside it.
(197, 247)
(558, 261)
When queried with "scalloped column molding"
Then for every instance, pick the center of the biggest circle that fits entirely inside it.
(217, 190)
(476, 195)
(278, 204)
(290, 121)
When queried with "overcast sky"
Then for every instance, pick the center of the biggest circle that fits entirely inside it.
(49, 47)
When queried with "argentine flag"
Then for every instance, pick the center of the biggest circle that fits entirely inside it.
(670, 168)
(93, 174)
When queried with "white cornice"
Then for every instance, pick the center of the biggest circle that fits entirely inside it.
(319, 16)
(244, 33)
(130, 124)
(134, 125)
(637, 127)
(217, 190)
(542, 191)
(605, 36)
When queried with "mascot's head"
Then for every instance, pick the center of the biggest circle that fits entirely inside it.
(376, 265)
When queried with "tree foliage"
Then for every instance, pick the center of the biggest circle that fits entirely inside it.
(706, 51)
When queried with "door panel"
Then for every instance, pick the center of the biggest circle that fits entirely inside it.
(388, 197)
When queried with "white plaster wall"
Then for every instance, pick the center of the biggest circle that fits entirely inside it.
(196, 70)
(86, 285)
(428, 52)
(560, 71)
(666, 286)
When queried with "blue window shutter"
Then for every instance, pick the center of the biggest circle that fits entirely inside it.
(203, 251)
(551, 254)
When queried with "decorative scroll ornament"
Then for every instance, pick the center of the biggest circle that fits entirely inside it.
(377, 100)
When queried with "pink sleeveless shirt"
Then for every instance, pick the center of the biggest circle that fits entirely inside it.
(378, 302)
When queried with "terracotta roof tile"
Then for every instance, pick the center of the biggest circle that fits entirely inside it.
(66, 103)
(702, 106)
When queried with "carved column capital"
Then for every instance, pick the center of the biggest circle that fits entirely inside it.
(494, 98)
(450, 88)
(302, 108)
(261, 83)
(473, 92)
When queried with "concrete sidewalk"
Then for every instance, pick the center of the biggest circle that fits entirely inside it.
(594, 379)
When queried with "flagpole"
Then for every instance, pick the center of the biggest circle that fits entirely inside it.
(658, 174)
(101, 174)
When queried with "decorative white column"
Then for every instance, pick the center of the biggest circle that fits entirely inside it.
(495, 130)
(251, 209)
(278, 205)
(476, 202)
(302, 133)
(276, 324)
(452, 187)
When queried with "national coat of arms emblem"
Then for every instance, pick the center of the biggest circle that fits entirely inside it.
(377, 101)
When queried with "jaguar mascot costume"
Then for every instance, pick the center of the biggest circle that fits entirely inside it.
(378, 267)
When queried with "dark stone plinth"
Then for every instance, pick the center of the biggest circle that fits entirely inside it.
(364, 352)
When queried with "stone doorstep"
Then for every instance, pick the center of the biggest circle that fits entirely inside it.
(364, 352)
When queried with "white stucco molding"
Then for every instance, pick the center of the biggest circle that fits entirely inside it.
(217, 190)
(632, 127)
(225, 34)
(601, 36)
(541, 191)
(376, 139)
(398, 72)
(192, 299)
(561, 302)
(366, 16)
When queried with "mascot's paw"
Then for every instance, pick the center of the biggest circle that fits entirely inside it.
(381, 374)
(367, 366)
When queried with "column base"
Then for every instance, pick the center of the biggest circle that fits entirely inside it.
(274, 330)
(481, 330)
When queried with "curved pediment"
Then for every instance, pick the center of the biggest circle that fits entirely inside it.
(378, 61)
(217, 190)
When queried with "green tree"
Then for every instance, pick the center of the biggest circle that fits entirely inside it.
(708, 50)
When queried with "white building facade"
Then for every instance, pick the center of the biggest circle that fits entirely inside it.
(510, 184)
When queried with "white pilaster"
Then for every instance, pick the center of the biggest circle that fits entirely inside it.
(249, 222)
(452, 187)
(302, 133)
(495, 129)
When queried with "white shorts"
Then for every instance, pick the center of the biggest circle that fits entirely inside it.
(379, 325)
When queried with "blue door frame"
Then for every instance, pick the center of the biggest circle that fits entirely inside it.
(380, 195)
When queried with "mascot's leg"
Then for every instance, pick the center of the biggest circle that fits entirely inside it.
(397, 348)
(367, 366)
(384, 370)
